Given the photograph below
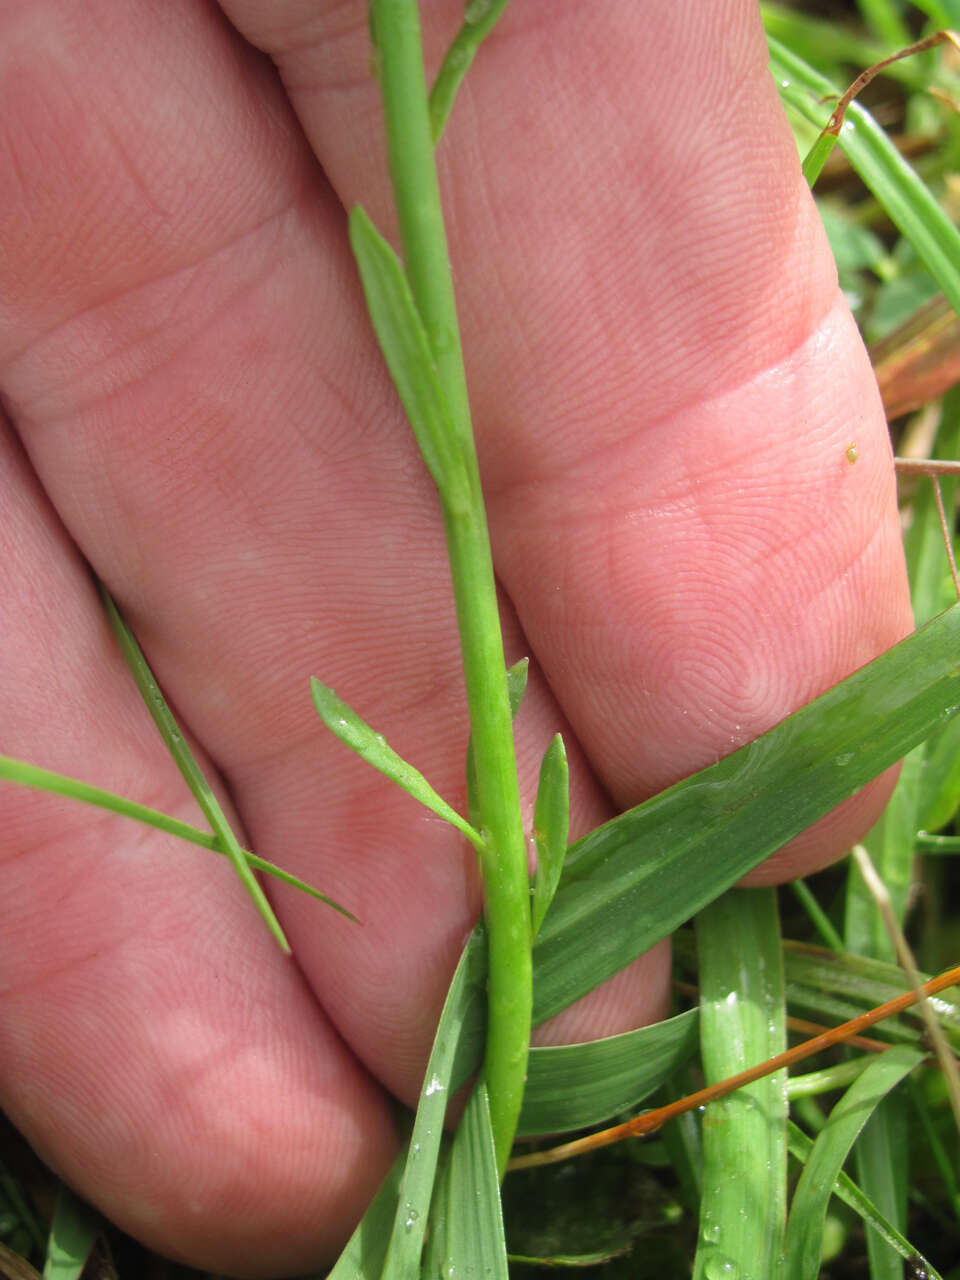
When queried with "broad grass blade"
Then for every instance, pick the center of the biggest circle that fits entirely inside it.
(632, 881)
(473, 1219)
(572, 1086)
(344, 723)
(742, 1021)
(804, 1240)
(551, 828)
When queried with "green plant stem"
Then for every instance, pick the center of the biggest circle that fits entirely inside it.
(396, 33)
(479, 19)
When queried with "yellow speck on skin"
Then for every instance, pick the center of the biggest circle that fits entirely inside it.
(852, 454)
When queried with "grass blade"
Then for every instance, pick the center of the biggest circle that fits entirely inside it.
(73, 1235)
(406, 349)
(845, 1189)
(363, 1257)
(345, 724)
(572, 1086)
(634, 880)
(475, 1244)
(29, 775)
(742, 1021)
(906, 199)
(419, 1172)
(807, 1214)
(479, 17)
(183, 758)
(551, 828)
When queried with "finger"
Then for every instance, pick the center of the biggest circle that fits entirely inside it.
(195, 381)
(690, 551)
(153, 1047)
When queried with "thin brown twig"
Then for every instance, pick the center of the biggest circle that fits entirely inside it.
(650, 1121)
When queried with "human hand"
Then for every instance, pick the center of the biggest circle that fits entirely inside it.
(665, 381)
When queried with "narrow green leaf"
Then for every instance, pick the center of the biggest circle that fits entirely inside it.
(73, 1234)
(344, 722)
(805, 1224)
(406, 349)
(479, 17)
(846, 1189)
(551, 828)
(183, 757)
(576, 1085)
(475, 1243)
(634, 880)
(417, 1182)
(742, 1021)
(882, 1157)
(29, 775)
(905, 197)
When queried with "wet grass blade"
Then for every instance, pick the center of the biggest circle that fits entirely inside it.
(804, 1240)
(473, 1219)
(403, 1252)
(846, 1189)
(634, 880)
(742, 1021)
(572, 1086)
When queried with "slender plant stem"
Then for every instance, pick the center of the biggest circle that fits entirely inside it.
(396, 33)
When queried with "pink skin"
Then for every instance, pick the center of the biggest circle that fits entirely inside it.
(665, 381)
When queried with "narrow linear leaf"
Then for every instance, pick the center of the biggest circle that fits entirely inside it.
(632, 881)
(29, 775)
(406, 349)
(475, 1244)
(478, 20)
(846, 1189)
(417, 1182)
(573, 1086)
(551, 828)
(905, 197)
(183, 757)
(344, 723)
(742, 1021)
(804, 1240)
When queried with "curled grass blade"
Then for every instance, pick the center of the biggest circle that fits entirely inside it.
(846, 1189)
(742, 1020)
(572, 1086)
(345, 724)
(29, 775)
(804, 1239)
(634, 880)
(551, 828)
(183, 757)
